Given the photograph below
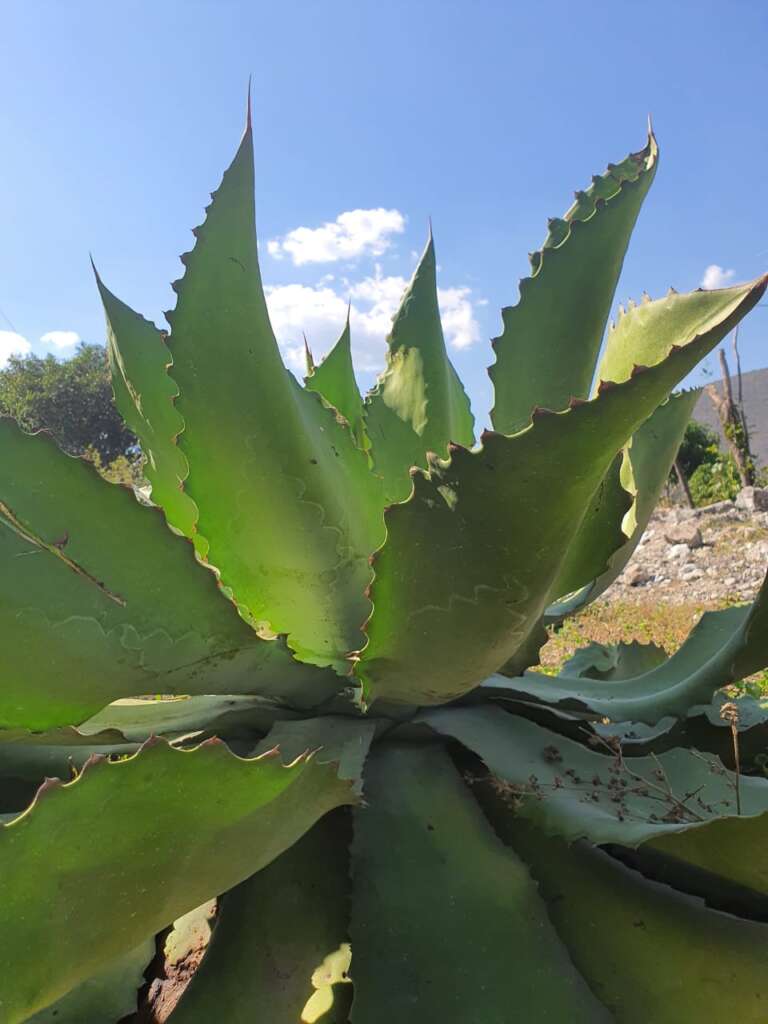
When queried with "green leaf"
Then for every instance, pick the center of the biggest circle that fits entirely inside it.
(609, 536)
(174, 829)
(418, 404)
(452, 928)
(105, 998)
(600, 535)
(642, 333)
(334, 379)
(650, 953)
(144, 394)
(547, 352)
(614, 661)
(574, 792)
(273, 932)
(339, 740)
(99, 600)
(137, 720)
(702, 729)
(59, 753)
(728, 848)
(500, 521)
(724, 647)
(286, 500)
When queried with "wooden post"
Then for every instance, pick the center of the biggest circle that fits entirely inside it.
(733, 422)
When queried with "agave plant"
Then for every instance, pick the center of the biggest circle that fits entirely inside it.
(350, 597)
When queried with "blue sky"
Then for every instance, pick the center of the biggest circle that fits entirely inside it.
(369, 117)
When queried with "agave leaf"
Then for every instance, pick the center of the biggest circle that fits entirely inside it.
(272, 935)
(600, 535)
(551, 339)
(500, 521)
(63, 918)
(419, 404)
(137, 720)
(529, 653)
(144, 396)
(724, 647)
(641, 336)
(99, 600)
(609, 536)
(642, 333)
(704, 728)
(652, 953)
(105, 998)
(286, 500)
(336, 739)
(453, 922)
(721, 848)
(334, 379)
(614, 661)
(574, 792)
(59, 754)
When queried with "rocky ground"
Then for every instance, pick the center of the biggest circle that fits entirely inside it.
(709, 555)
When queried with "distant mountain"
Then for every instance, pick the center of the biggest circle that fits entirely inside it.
(755, 388)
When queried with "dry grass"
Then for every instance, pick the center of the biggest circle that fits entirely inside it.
(666, 625)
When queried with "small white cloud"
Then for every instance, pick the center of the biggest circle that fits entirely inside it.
(716, 277)
(459, 325)
(298, 309)
(60, 339)
(353, 234)
(12, 344)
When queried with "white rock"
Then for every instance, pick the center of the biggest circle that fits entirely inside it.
(716, 508)
(752, 499)
(684, 533)
(677, 551)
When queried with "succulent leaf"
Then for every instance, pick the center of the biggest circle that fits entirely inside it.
(79, 608)
(609, 536)
(574, 792)
(222, 715)
(600, 535)
(642, 335)
(419, 404)
(724, 647)
(272, 934)
(547, 352)
(614, 661)
(453, 922)
(286, 501)
(723, 848)
(335, 739)
(500, 521)
(65, 917)
(334, 379)
(144, 394)
(60, 753)
(108, 996)
(652, 953)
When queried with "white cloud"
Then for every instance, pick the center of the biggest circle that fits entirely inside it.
(297, 309)
(459, 325)
(60, 339)
(12, 344)
(716, 277)
(320, 312)
(352, 234)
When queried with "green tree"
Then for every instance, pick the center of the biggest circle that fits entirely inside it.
(711, 474)
(70, 398)
(701, 444)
